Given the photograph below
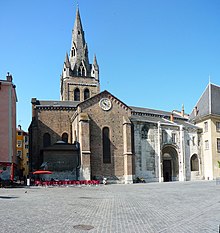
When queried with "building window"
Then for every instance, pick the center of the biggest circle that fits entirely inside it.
(19, 133)
(77, 94)
(19, 143)
(106, 145)
(218, 126)
(65, 137)
(26, 139)
(144, 132)
(218, 144)
(26, 146)
(206, 144)
(83, 71)
(173, 138)
(194, 163)
(86, 94)
(73, 52)
(19, 153)
(46, 140)
(193, 140)
(206, 126)
(187, 142)
(164, 136)
(199, 140)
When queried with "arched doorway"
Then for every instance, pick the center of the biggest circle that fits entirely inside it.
(170, 164)
(194, 162)
(195, 168)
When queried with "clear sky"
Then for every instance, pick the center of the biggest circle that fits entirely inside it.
(151, 53)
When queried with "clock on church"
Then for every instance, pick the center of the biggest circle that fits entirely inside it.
(105, 104)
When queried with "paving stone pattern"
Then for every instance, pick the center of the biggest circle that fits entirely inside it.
(152, 207)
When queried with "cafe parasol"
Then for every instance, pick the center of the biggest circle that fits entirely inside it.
(42, 172)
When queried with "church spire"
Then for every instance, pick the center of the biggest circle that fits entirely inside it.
(79, 79)
(79, 52)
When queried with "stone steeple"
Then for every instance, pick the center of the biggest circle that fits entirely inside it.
(77, 73)
(79, 52)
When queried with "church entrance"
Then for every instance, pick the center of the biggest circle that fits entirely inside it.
(167, 170)
(170, 164)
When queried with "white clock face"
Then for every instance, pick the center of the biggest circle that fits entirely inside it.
(105, 104)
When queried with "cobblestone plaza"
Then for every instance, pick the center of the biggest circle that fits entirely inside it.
(150, 207)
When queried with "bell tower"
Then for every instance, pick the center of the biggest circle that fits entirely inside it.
(79, 79)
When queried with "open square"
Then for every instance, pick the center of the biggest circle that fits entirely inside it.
(150, 207)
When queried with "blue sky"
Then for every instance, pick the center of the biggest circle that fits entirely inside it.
(151, 53)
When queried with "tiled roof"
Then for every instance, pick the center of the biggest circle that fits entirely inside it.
(155, 112)
(209, 103)
(55, 103)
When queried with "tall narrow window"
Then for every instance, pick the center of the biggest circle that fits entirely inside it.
(77, 94)
(46, 140)
(206, 144)
(218, 126)
(206, 126)
(73, 52)
(193, 140)
(164, 136)
(79, 72)
(173, 138)
(106, 145)
(65, 137)
(218, 144)
(144, 132)
(86, 94)
(83, 71)
(199, 140)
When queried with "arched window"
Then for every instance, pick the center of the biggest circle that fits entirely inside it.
(79, 72)
(83, 71)
(73, 52)
(194, 163)
(144, 132)
(65, 137)
(164, 136)
(106, 145)
(86, 94)
(77, 94)
(46, 140)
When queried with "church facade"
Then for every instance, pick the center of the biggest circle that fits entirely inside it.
(91, 134)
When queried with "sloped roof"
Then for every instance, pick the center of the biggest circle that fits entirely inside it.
(208, 103)
(55, 103)
(155, 112)
(155, 116)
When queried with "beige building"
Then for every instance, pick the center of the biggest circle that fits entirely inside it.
(206, 115)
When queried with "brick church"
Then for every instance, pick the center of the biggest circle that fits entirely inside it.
(89, 134)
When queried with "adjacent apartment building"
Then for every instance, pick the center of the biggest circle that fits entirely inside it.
(206, 115)
(22, 153)
(8, 101)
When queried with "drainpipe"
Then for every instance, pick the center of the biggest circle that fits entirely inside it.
(181, 157)
(159, 154)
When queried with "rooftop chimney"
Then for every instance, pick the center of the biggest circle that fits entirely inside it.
(182, 112)
(171, 117)
(9, 77)
(195, 111)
